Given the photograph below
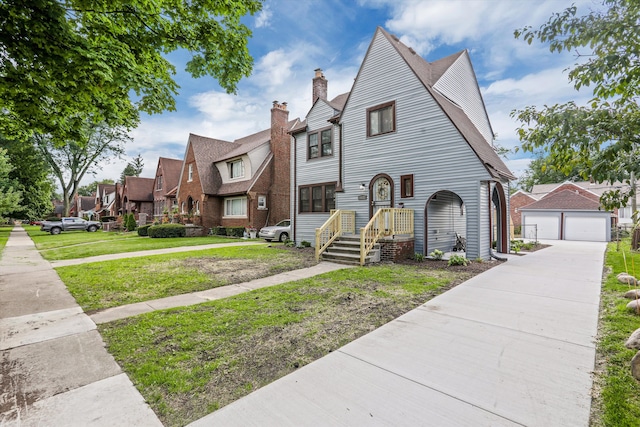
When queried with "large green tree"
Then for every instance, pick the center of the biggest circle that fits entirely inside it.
(133, 168)
(10, 197)
(90, 189)
(66, 60)
(601, 139)
(32, 177)
(71, 160)
(541, 172)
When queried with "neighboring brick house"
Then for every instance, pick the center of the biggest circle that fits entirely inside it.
(83, 206)
(518, 200)
(165, 186)
(105, 199)
(239, 183)
(137, 196)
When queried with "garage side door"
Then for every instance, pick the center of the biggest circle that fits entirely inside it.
(548, 226)
(591, 229)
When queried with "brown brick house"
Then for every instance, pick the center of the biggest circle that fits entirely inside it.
(239, 183)
(137, 196)
(165, 186)
(517, 201)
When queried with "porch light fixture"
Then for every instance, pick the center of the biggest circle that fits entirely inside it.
(363, 187)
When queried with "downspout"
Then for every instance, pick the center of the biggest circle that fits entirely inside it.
(295, 188)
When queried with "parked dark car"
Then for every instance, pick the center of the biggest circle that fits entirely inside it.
(280, 232)
(70, 224)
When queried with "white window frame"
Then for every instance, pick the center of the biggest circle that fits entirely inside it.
(228, 202)
(190, 177)
(231, 168)
(262, 202)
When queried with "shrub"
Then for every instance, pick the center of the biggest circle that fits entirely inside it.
(219, 231)
(167, 230)
(289, 243)
(458, 260)
(305, 244)
(143, 230)
(516, 245)
(129, 222)
(235, 231)
(418, 256)
(436, 254)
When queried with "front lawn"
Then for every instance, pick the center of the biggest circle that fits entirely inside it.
(77, 244)
(190, 361)
(107, 284)
(5, 230)
(616, 393)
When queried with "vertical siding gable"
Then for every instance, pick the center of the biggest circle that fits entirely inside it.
(459, 84)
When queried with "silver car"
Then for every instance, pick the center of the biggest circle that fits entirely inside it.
(280, 232)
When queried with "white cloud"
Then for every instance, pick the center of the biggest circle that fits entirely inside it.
(264, 17)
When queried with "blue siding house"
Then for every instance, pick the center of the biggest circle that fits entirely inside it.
(411, 135)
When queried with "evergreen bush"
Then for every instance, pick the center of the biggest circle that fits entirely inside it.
(167, 230)
(235, 231)
(143, 230)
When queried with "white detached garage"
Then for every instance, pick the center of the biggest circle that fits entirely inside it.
(566, 215)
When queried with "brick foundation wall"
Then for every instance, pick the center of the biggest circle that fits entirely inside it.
(397, 248)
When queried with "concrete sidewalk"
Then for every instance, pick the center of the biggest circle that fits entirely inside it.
(513, 346)
(55, 370)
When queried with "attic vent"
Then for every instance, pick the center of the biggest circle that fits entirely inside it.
(412, 51)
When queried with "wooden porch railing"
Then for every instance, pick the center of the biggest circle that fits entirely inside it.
(339, 223)
(385, 222)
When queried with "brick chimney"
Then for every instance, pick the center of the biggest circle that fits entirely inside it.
(281, 149)
(319, 86)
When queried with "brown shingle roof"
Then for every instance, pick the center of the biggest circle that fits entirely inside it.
(87, 203)
(171, 169)
(565, 199)
(206, 151)
(138, 189)
(426, 73)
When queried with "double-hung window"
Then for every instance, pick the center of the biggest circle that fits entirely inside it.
(320, 144)
(317, 198)
(381, 119)
(159, 182)
(406, 186)
(236, 169)
(190, 176)
(235, 206)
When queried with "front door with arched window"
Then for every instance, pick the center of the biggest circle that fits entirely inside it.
(380, 193)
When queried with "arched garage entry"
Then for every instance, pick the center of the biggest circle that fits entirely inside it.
(445, 221)
(499, 224)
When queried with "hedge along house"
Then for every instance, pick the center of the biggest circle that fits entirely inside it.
(165, 186)
(240, 183)
(409, 136)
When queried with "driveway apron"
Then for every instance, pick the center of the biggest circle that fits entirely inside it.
(514, 346)
(55, 369)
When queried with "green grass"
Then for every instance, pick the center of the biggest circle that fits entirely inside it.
(107, 284)
(4, 236)
(78, 244)
(618, 403)
(190, 361)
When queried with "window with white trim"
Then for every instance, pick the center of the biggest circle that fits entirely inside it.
(262, 202)
(190, 178)
(235, 206)
(236, 169)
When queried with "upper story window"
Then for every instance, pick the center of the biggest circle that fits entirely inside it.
(320, 144)
(159, 182)
(381, 119)
(190, 177)
(236, 169)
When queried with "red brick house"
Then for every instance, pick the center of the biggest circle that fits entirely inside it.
(137, 196)
(106, 200)
(239, 183)
(165, 186)
(518, 200)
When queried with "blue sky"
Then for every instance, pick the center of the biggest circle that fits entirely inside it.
(291, 38)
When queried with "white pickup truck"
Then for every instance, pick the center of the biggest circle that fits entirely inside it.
(69, 224)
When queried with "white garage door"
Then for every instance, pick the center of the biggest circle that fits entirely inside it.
(548, 227)
(585, 228)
